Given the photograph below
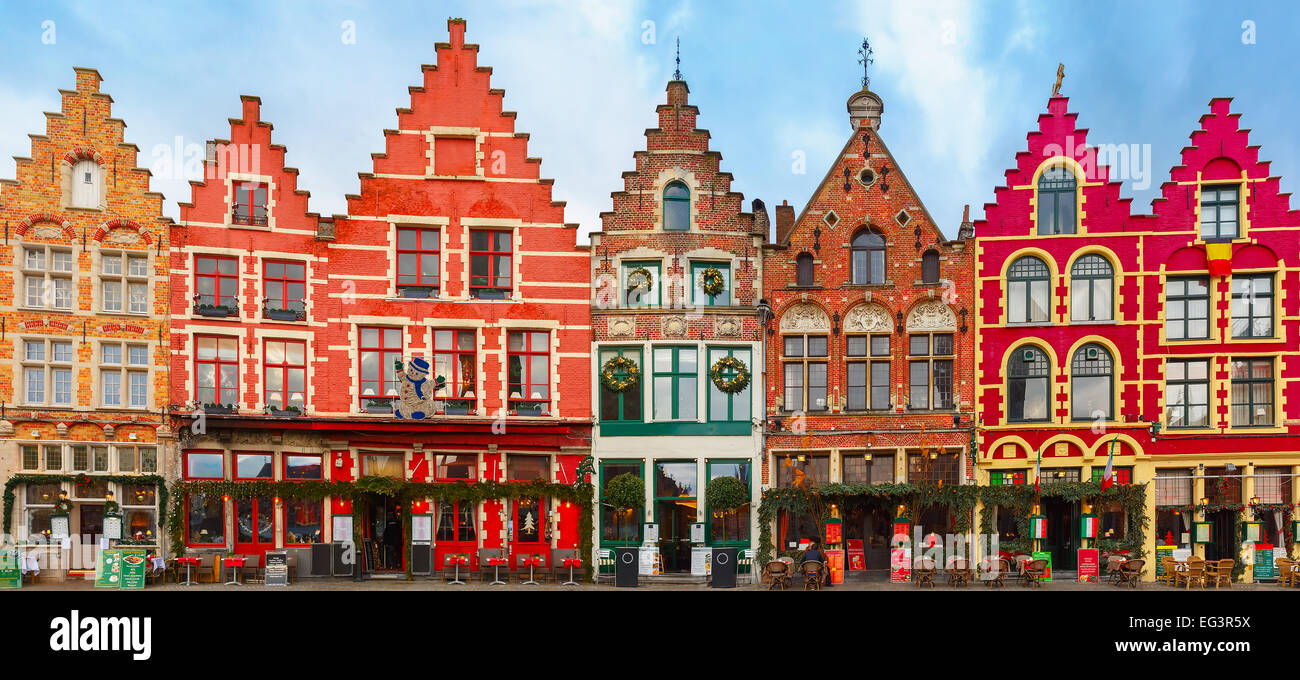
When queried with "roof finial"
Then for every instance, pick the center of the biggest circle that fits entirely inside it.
(864, 58)
(1060, 75)
(677, 75)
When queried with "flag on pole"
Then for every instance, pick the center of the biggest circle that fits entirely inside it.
(1108, 477)
(1038, 469)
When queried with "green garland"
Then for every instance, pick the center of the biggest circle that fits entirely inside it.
(737, 382)
(403, 492)
(712, 282)
(9, 496)
(616, 365)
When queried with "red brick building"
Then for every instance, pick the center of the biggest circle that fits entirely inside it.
(453, 266)
(1172, 335)
(870, 348)
(83, 341)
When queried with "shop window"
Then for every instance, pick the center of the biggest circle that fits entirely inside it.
(381, 351)
(216, 281)
(930, 267)
(1223, 487)
(216, 371)
(1007, 478)
(140, 523)
(866, 468)
(1028, 372)
(730, 527)
(1273, 484)
(522, 468)
(804, 359)
(867, 257)
(1123, 475)
(1252, 306)
(47, 278)
(43, 494)
(390, 465)
(205, 521)
(456, 522)
(1057, 196)
(303, 521)
(47, 372)
(284, 363)
(1187, 392)
(734, 406)
(1252, 392)
(299, 466)
(700, 297)
(249, 204)
(531, 520)
(455, 361)
(640, 284)
(1055, 475)
(868, 372)
(796, 528)
(38, 521)
(1028, 291)
(803, 266)
(677, 207)
(1008, 524)
(1092, 383)
(490, 268)
(1173, 486)
(528, 356)
(1187, 308)
(253, 466)
(456, 466)
(145, 495)
(676, 479)
(418, 262)
(1219, 212)
(133, 458)
(802, 470)
(619, 527)
(124, 283)
(285, 287)
(934, 468)
(86, 184)
(1092, 285)
(204, 465)
(929, 371)
(624, 406)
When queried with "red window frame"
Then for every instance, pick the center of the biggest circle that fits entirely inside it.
(284, 301)
(185, 463)
(245, 207)
(456, 522)
(216, 362)
(524, 387)
(284, 520)
(284, 367)
(284, 466)
(455, 383)
(492, 255)
(220, 282)
(436, 468)
(188, 543)
(381, 384)
(234, 463)
(423, 237)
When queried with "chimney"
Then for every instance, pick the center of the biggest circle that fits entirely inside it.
(761, 222)
(784, 221)
(252, 108)
(967, 229)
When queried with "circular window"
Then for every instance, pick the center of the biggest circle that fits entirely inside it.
(867, 177)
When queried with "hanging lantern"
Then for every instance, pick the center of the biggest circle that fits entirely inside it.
(1088, 526)
(1252, 531)
(1038, 527)
(1202, 532)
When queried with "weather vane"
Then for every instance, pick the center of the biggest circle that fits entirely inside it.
(865, 59)
(1060, 75)
(677, 75)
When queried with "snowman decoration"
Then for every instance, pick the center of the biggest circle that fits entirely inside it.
(415, 392)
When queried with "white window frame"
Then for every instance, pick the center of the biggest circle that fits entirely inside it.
(125, 371)
(125, 279)
(45, 275)
(47, 366)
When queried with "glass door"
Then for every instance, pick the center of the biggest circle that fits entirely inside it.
(254, 525)
(455, 533)
(530, 536)
(1062, 533)
(676, 491)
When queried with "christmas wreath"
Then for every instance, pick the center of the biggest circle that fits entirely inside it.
(735, 383)
(62, 506)
(712, 282)
(639, 281)
(620, 364)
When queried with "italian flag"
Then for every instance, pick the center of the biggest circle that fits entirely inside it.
(1038, 467)
(1038, 526)
(1089, 527)
(1108, 477)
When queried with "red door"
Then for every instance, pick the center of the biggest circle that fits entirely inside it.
(456, 533)
(254, 525)
(530, 535)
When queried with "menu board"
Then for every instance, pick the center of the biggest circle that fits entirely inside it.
(835, 563)
(108, 569)
(900, 553)
(11, 572)
(649, 533)
(701, 561)
(113, 527)
(1047, 576)
(834, 532)
(1089, 565)
(135, 563)
(697, 532)
(649, 565)
(1162, 551)
(277, 567)
(342, 528)
(421, 528)
(857, 558)
(1263, 563)
(59, 525)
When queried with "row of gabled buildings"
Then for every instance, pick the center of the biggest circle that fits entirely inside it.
(435, 373)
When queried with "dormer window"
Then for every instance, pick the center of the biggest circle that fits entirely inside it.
(1057, 196)
(677, 207)
(249, 204)
(85, 184)
(1219, 212)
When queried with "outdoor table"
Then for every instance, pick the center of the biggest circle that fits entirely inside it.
(571, 562)
(532, 562)
(30, 564)
(188, 562)
(496, 563)
(237, 563)
(456, 560)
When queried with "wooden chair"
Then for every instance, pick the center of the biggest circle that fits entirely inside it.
(1113, 565)
(1131, 573)
(540, 572)
(1286, 572)
(1194, 573)
(814, 573)
(1167, 565)
(925, 572)
(1035, 570)
(1219, 572)
(290, 566)
(560, 573)
(486, 572)
(958, 573)
(999, 579)
(209, 564)
(777, 575)
(251, 572)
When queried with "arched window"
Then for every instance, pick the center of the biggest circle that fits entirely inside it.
(85, 184)
(803, 269)
(1028, 291)
(1028, 379)
(867, 253)
(1092, 286)
(1092, 380)
(677, 207)
(1056, 200)
(930, 266)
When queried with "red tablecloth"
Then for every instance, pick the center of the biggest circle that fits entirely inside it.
(531, 561)
(496, 561)
(191, 561)
(572, 562)
(233, 561)
(456, 559)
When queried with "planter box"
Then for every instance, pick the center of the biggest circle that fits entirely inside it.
(218, 410)
(217, 311)
(281, 314)
(416, 292)
(284, 413)
(379, 407)
(456, 411)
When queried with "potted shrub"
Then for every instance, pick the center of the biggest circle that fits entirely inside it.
(276, 314)
(216, 310)
(415, 292)
(218, 409)
(379, 406)
(725, 494)
(288, 411)
(625, 492)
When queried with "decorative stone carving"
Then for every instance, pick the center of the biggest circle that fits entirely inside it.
(622, 327)
(6, 428)
(62, 430)
(726, 327)
(47, 231)
(108, 433)
(804, 317)
(868, 318)
(674, 327)
(121, 237)
(932, 315)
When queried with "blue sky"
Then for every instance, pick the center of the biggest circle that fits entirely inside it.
(962, 82)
